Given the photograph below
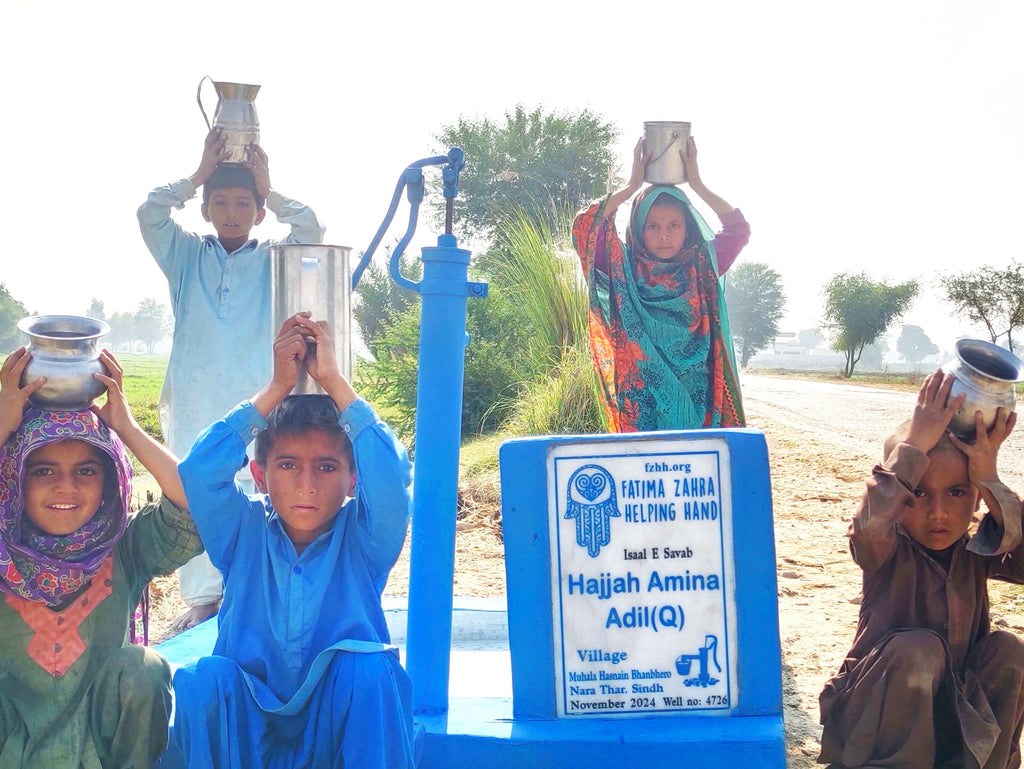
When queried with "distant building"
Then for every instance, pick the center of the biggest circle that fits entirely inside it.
(787, 343)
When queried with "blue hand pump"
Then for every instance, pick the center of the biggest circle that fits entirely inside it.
(444, 289)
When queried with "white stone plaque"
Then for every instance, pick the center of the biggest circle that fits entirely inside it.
(642, 577)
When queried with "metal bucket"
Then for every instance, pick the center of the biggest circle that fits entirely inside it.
(987, 373)
(317, 278)
(66, 350)
(663, 140)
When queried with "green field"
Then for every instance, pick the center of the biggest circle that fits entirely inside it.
(143, 378)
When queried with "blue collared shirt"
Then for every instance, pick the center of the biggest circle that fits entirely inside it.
(223, 333)
(282, 608)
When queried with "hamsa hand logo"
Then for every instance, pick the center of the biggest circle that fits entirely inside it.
(591, 501)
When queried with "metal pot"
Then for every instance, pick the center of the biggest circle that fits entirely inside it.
(65, 349)
(317, 278)
(663, 141)
(235, 116)
(987, 373)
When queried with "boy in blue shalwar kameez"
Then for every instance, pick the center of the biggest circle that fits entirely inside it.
(301, 674)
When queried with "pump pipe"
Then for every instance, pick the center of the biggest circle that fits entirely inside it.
(454, 155)
(444, 290)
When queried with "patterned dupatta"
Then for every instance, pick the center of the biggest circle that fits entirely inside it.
(43, 567)
(659, 330)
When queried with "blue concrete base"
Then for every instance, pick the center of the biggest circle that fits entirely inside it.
(481, 732)
(478, 730)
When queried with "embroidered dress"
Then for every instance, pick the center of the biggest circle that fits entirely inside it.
(659, 330)
(72, 692)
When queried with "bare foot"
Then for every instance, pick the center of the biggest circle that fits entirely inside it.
(193, 617)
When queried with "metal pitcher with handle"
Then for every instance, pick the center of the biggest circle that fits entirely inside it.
(235, 116)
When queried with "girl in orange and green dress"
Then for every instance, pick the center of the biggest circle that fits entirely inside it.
(659, 329)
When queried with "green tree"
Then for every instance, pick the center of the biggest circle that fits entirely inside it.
(96, 310)
(756, 302)
(858, 310)
(389, 321)
(150, 323)
(122, 329)
(809, 338)
(380, 301)
(11, 311)
(991, 296)
(914, 344)
(544, 163)
(874, 353)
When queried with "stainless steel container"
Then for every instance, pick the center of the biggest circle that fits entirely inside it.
(65, 349)
(317, 278)
(663, 141)
(987, 373)
(235, 116)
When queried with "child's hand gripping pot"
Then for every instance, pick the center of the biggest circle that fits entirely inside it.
(947, 495)
(14, 397)
(302, 341)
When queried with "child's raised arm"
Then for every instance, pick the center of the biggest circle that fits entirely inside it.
(933, 412)
(983, 453)
(256, 161)
(290, 350)
(323, 365)
(13, 396)
(715, 203)
(213, 153)
(117, 415)
(636, 180)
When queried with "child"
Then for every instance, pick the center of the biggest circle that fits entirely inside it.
(73, 692)
(300, 669)
(927, 683)
(659, 332)
(220, 297)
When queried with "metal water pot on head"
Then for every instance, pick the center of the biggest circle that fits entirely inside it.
(663, 140)
(66, 350)
(235, 116)
(316, 278)
(987, 373)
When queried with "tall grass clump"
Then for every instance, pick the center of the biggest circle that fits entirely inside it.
(537, 271)
(565, 401)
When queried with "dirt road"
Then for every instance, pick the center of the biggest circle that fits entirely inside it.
(823, 439)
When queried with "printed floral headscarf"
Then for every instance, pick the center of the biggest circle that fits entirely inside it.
(45, 567)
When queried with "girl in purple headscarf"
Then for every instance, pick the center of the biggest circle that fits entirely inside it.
(73, 691)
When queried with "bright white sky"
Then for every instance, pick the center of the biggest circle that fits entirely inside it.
(883, 135)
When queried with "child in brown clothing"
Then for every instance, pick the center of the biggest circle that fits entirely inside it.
(927, 683)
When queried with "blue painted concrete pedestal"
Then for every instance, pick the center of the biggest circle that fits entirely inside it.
(482, 733)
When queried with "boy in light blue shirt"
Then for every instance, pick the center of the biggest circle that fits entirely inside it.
(301, 674)
(220, 297)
